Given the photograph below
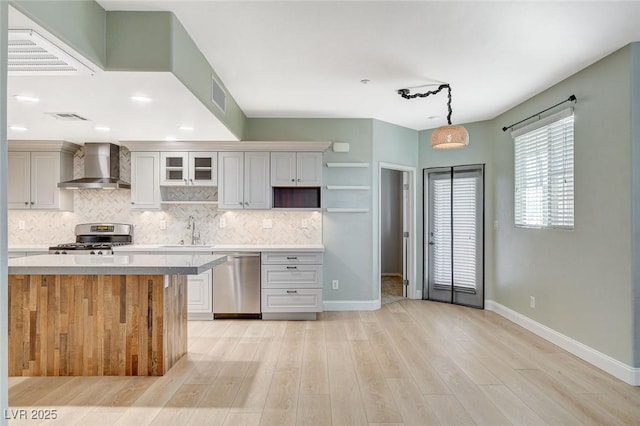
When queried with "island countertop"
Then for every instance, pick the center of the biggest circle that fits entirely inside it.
(117, 264)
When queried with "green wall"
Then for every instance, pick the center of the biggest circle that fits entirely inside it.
(635, 195)
(80, 24)
(581, 278)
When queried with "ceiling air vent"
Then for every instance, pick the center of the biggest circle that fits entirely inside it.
(30, 53)
(218, 95)
(67, 116)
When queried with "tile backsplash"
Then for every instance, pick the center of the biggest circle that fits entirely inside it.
(241, 227)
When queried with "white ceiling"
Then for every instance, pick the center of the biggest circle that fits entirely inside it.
(306, 58)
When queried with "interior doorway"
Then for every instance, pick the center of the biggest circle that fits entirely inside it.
(396, 232)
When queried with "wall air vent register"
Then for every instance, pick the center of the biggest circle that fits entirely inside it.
(29, 53)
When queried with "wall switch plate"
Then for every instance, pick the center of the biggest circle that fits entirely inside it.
(267, 223)
(334, 284)
(532, 302)
(304, 223)
(163, 224)
(21, 225)
(222, 223)
(496, 225)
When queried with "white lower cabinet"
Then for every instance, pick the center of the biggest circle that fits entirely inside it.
(291, 285)
(200, 296)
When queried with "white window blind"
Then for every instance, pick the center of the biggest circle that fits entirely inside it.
(465, 223)
(544, 195)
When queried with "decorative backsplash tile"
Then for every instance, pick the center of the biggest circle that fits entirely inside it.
(242, 227)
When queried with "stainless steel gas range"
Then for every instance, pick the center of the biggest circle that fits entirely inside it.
(96, 238)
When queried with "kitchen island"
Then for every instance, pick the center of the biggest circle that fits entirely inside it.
(84, 315)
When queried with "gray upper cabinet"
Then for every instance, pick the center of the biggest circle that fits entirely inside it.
(296, 169)
(34, 178)
(189, 169)
(243, 181)
(145, 181)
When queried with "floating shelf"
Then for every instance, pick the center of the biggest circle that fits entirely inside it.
(352, 165)
(350, 187)
(346, 210)
(189, 202)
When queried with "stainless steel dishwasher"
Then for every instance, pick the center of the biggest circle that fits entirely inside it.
(236, 286)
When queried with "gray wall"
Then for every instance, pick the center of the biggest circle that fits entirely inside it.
(635, 196)
(581, 278)
(4, 285)
(391, 222)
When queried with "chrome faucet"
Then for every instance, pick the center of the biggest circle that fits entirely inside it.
(195, 235)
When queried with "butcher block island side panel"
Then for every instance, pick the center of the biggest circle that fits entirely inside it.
(99, 324)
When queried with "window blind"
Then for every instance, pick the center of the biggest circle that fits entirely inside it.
(544, 177)
(465, 222)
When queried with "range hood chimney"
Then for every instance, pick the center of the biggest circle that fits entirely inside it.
(101, 168)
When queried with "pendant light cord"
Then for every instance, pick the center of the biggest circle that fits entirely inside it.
(405, 94)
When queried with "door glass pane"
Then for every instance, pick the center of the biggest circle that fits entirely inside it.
(464, 231)
(441, 231)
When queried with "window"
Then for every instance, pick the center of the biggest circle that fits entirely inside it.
(544, 173)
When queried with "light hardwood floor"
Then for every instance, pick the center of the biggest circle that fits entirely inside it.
(412, 362)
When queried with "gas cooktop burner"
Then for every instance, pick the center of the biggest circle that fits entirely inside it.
(96, 238)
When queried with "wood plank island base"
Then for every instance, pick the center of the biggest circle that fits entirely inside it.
(99, 315)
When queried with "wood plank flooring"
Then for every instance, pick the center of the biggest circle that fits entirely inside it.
(409, 363)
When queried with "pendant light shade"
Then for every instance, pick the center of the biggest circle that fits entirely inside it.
(449, 137)
(445, 137)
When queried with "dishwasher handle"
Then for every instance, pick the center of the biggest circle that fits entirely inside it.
(236, 255)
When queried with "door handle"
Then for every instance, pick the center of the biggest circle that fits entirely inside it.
(431, 243)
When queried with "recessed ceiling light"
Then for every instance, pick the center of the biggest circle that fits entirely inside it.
(102, 128)
(141, 99)
(170, 139)
(27, 99)
(433, 117)
(186, 128)
(17, 128)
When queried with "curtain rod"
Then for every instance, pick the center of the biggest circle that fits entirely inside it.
(571, 98)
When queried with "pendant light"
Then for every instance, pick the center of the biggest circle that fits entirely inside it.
(445, 137)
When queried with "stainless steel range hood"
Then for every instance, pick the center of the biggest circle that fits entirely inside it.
(101, 168)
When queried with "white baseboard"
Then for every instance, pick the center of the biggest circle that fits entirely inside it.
(351, 305)
(603, 361)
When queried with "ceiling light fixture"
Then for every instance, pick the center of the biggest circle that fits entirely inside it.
(170, 139)
(186, 128)
(444, 137)
(16, 128)
(27, 99)
(102, 128)
(141, 99)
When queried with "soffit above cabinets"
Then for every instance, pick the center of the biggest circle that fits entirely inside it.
(298, 146)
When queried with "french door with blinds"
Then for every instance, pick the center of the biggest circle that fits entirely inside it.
(454, 240)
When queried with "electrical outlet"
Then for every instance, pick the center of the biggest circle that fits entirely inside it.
(304, 223)
(334, 284)
(163, 224)
(223, 223)
(532, 302)
(21, 225)
(267, 223)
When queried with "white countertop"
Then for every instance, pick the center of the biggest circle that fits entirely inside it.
(218, 248)
(118, 264)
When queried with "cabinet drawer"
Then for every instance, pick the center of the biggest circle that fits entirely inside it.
(292, 300)
(293, 258)
(291, 276)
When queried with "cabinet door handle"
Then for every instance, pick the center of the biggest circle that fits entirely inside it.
(299, 180)
(26, 203)
(292, 267)
(293, 180)
(292, 257)
(133, 202)
(185, 182)
(32, 203)
(246, 203)
(190, 181)
(240, 203)
(292, 291)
